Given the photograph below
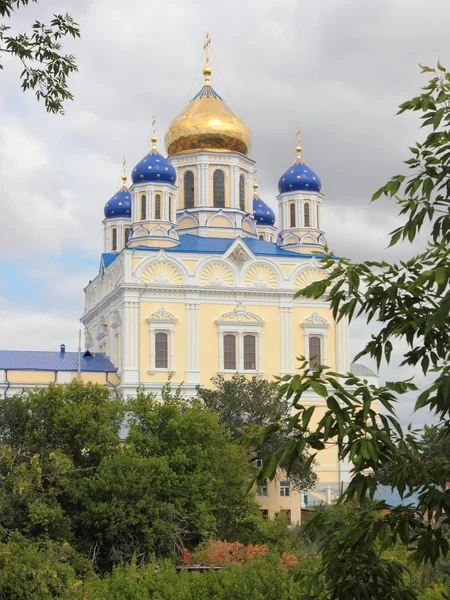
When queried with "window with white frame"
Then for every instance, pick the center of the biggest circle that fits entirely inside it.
(259, 462)
(315, 330)
(162, 333)
(229, 352)
(261, 491)
(240, 342)
(285, 489)
(315, 351)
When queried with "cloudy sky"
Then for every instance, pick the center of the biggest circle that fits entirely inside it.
(338, 68)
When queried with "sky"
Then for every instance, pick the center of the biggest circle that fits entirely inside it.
(336, 68)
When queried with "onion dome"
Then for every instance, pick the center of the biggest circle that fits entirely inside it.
(299, 176)
(262, 213)
(154, 167)
(120, 204)
(207, 123)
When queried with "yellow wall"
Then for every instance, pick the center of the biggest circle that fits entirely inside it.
(31, 377)
(274, 503)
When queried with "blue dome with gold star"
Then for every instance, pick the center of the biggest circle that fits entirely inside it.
(120, 204)
(262, 212)
(299, 176)
(154, 167)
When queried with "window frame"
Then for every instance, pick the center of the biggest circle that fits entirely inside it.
(262, 491)
(126, 236)
(158, 207)
(162, 321)
(240, 323)
(245, 340)
(315, 326)
(143, 206)
(285, 485)
(312, 359)
(292, 215)
(186, 180)
(242, 192)
(114, 239)
(158, 340)
(225, 352)
(216, 203)
(307, 214)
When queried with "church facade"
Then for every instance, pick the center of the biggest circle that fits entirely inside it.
(197, 279)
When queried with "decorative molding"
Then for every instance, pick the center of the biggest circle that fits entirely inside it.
(217, 274)
(240, 316)
(162, 273)
(162, 316)
(315, 320)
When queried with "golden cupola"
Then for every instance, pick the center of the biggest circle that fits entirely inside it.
(207, 123)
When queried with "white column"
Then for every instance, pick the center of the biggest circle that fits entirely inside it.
(286, 345)
(341, 348)
(192, 343)
(130, 342)
(203, 185)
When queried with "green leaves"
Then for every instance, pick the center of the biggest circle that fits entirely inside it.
(45, 68)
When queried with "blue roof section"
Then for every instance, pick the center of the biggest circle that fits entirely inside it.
(204, 245)
(108, 257)
(391, 496)
(19, 360)
(263, 248)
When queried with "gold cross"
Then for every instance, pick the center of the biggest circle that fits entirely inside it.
(206, 47)
(124, 171)
(154, 127)
(298, 136)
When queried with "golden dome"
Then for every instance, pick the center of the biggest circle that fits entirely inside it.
(207, 123)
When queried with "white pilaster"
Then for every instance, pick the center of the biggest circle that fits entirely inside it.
(342, 355)
(286, 340)
(130, 341)
(192, 343)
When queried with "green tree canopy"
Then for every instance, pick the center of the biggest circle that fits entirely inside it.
(244, 404)
(410, 300)
(66, 476)
(45, 67)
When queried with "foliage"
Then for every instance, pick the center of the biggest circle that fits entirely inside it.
(244, 403)
(220, 553)
(410, 300)
(45, 68)
(66, 476)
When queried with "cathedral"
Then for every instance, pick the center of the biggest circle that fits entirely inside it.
(198, 274)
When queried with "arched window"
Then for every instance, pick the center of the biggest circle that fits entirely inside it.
(292, 214)
(157, 206)
(229, 352)
(315, 351)
(127, 235)
(114, 239)
(143, 207)
(241, 193)
(219, 189)
(161, 350)
(170, 208)
(261, 237)
(249, 353)
(306, 214)
(189, 189)
(318, 216)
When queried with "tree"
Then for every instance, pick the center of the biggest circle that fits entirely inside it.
(66, 476)
(45, 68)
(247, 403)
(410, 300)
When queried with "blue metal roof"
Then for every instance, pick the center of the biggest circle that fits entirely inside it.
(108, 257)
(24, 360)
(262, 248)
(204, 245)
